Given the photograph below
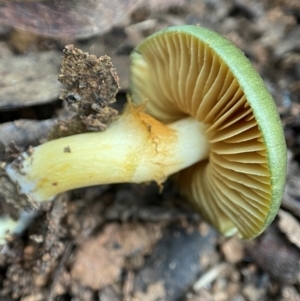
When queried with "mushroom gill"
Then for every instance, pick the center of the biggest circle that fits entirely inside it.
(178, 75)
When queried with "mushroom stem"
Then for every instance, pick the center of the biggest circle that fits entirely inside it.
(9, 225)
(135, 148)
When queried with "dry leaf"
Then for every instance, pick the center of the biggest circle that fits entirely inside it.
(56, 18)
(100, 260)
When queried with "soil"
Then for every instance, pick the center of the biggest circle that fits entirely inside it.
(133, 242)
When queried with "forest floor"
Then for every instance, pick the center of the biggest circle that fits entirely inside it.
(127, 242)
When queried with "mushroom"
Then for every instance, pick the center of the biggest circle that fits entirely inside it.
(10, 225)
(198, 111)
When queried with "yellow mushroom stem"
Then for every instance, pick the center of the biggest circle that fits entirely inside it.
(135, 148)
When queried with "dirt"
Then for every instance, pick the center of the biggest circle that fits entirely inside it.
(133, 242)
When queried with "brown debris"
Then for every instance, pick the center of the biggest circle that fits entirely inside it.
(32, 267)
(276, 256)
(233, 249)
(252, 293)
(11, 201)
(155, 291)
(292, 188)
(290, 227)
(91, 84)
(174, 263)
(290, 293)
(108, 252)
(22, 133)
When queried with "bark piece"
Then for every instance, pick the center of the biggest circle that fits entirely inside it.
(29, 79)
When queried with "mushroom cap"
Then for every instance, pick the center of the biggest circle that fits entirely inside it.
(192, 71)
